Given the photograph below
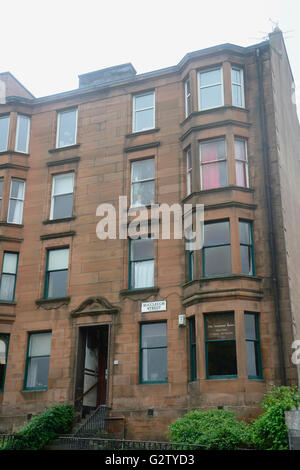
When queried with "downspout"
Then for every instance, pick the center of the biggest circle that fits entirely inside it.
(267, 172)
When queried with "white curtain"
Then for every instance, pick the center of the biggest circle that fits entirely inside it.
(143, 274)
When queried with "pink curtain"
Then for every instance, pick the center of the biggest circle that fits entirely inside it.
(241, 178)
(210, 171)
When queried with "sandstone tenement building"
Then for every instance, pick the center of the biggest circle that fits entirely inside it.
(219, 129)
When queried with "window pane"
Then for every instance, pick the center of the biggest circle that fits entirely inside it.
(17, 189)
(250, 326)
(15, 211)
(143, 193)
(217, 261)
(246, 260)
(142, 274)
(155, 368)
(62, 206)
(142, 249)
(142, 170)
(252, 358)
(144, 101)
(211, 97)
(216, 234)
(211, 151)
(237, 95)
(236, 76)
(211, 77)
(4, 128)
(40, 344)
(240, 149)
(63, 184)
(57, 284)
(58, 259)
(38, 371)
(221, 358)
(214, 175)
(23, 124)
(241, 174)
(7, 287)
(3, 355)
(154, 335)
(10, 263)
(67, 128)
(220, 326)
(245, 233)
(1, 188)
(144, 119)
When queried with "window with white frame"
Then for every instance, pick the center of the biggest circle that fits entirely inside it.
(237, 84)
(188, 171)
(38, 361)
(22, 135)
(142, 182)
(62, 196)
(188, 97)
(144, 112)
(16, 201)
(210, 88)
(4, 130)
(241, 162)
(66, 128)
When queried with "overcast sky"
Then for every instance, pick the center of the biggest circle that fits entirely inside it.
(47, 44)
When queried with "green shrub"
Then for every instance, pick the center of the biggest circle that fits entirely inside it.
(43, 428)
(214, 429)
(269, 431)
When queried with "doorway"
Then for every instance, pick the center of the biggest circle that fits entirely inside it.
(92, 368)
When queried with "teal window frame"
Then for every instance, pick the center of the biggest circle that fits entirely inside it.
(130, 286)
(47, 273)
(25, 388)
(204, 248)
(10, 274)
(6, 338)
(257, 343)
(193, 349)
(218, 377)
(249, 245)
(141, 381)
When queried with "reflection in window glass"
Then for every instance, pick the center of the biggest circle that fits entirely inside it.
(154, 367)
(216, 249)
(38, 360)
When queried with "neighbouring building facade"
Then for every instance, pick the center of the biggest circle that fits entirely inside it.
(143, 325)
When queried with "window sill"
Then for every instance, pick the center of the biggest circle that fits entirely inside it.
(63, 300)
(14, 152)
(3, 223)
(154, 383)
(210, 110)
(58, 221)
(8, 302)
(34, 390)
(145, 132)
(60, 149)
(143, 290)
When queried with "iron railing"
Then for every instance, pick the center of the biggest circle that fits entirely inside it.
(94, 423)
(7, 439)
(85, 443)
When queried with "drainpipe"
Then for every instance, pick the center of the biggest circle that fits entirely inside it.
(267, 172)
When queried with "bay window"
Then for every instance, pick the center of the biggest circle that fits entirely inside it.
(246, 248)
(213, 165)
(188, 156)
(220, 345)
(253, 345)
(22, 136)
(187, 97)
(237, 84)
(4, 130)
(241, 162)
(216, 252)
(210, 88)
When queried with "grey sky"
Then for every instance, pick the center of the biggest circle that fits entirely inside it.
(47, 44)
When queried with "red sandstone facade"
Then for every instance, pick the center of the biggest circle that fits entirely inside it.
(71, 303)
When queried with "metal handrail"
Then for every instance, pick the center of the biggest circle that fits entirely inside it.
(87, 391)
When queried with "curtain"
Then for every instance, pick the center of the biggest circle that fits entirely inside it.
(143, 274)
(7, 287)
